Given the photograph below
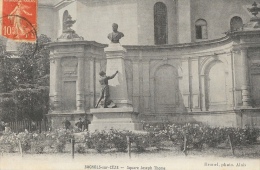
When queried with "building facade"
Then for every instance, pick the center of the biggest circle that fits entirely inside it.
(145, 22)
(186, 60)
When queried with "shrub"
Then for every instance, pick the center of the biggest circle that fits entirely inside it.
(8, 142)
(38, 142)
(57, 139)
(214, 136)
(100, 140)
(26, 140)
(197, 136)
(80, 148)
(59, 146)
(251, 135)
(119, 139)
(88, 140)
(141, 142)
(61, 136)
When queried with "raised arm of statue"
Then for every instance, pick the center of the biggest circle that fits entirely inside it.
(111, 77)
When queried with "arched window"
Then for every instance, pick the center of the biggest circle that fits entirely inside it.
(201, 29)
(236, 23)
(160, 23)
(64, 18)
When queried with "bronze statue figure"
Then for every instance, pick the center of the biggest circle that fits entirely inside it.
(105, 89)
(115, 36)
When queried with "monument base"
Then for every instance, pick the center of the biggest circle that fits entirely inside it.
(56, 119)
(114, 118)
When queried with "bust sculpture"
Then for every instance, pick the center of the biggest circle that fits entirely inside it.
(115, 36)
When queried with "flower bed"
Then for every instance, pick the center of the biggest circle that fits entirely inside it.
(159, 136)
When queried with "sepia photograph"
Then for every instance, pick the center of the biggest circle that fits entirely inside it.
(129, 85)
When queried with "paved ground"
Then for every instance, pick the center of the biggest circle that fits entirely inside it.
(163, 160)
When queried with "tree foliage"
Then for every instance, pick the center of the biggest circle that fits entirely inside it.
(26, 79)
(34, 63)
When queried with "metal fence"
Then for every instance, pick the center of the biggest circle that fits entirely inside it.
(20, 126)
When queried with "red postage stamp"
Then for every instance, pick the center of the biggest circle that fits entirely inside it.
(19, 19)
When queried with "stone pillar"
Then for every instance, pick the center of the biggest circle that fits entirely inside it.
(136, 84)
(203, 92)
(186, 83)
(195, 84)
(115, 55)
(80, 85)
(92, 79)
(245, 79)
(57, 90)
(146, 86)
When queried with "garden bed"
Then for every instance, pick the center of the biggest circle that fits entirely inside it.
(182, 139)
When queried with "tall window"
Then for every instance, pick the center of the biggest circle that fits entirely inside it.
(64, 18)
(236, 23)
(160, 23)
(201, 29)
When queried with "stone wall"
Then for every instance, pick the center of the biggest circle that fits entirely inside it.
(94, 19)
(218, 15)
(136, 18)
(196, 82)
(46, 21)
(145, 18)
(180, 79)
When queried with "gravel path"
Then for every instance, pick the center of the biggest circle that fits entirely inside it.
(120, 161)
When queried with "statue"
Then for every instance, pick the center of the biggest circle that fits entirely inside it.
(115, 36)
(68, 33)
(104, 94)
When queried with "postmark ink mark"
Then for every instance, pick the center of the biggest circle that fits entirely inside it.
(19, 20)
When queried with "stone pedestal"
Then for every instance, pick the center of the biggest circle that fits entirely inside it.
(56, 120)
(123, 117)
(116, 118)
(115, 55)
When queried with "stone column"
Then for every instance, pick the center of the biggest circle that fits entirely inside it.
(57, 90)
(80, 85)
(186, 83)
(202, 93)
(136, 84)
(245, 80)
(146, 86)
(195, 84)
(115, 55)
(92, 79)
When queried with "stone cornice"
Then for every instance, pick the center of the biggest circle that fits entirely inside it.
(45, 6)
(63, 3)
(244, 33)
(70, 43)
(219, 41)
(218, 46)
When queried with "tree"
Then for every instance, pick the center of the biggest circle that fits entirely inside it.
(26, 79)
(34, 63)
